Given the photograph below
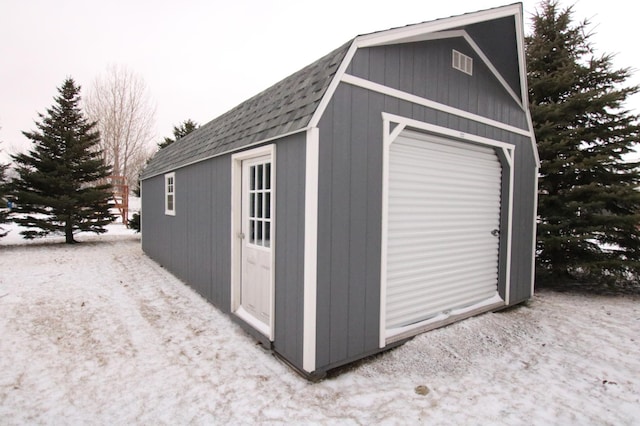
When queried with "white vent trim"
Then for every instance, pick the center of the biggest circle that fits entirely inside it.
(462, 62)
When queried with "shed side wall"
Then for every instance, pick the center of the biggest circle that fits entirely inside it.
(194, 244)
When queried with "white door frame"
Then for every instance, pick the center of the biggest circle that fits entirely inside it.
(236, 236)
(390, 133)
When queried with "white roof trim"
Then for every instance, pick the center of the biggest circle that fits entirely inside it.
(317, 115)
(413, 32)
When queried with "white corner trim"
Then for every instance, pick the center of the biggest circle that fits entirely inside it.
(534, 142)
(310, 249)
(386, 90)
(509, 154)
(236, 228)
(317, 115)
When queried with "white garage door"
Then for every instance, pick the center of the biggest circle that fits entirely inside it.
(443, 222)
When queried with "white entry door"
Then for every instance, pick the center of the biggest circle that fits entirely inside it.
(256, 234)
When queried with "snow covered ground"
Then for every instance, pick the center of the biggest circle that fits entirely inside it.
(97, 333)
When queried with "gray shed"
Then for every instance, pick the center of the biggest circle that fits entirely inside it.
(384, 190)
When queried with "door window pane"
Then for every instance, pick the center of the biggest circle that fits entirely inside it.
(252, 177)
(267, 205)
(267, 234)
(259, 229)
(252, 208)
(260, 205)
(252, 231)
(267, 176)
(259, 173)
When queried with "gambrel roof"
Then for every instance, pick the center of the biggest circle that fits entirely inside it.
(296, 103)
(285, 107)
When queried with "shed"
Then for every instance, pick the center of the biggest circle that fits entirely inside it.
(384, 190)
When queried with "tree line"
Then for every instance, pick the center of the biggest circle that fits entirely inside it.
(589, 203)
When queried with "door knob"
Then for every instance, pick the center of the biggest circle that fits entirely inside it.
(495, 232)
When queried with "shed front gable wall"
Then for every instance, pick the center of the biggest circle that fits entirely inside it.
(350, 181)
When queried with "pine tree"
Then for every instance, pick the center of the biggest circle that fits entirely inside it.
(588, 202)
(61, 182)
(179, 131)
(4, 212)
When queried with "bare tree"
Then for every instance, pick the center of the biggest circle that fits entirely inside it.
(121, 104)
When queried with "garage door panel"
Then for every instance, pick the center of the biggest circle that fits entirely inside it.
(443, 204)
(434, 306)
(414, 266)
(440, 234)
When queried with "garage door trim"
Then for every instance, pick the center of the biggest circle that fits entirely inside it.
(393, 126)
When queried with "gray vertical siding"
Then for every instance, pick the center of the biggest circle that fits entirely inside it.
(289, 247)
(522, 263)
(424, 69)
(349, 194)
(194, 244)
(490, 38)
(350, 182)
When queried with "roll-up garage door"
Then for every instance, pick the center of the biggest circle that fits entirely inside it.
(443, 227)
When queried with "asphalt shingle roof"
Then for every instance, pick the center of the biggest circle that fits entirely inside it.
(282, 108)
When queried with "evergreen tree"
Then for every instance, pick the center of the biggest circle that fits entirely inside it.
(61, 184)
(179, 131)
(588, 202)
(4, 210)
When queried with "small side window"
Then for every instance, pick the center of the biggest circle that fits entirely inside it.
(170, 194)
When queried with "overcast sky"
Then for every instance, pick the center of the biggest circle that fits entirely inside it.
(201, 58)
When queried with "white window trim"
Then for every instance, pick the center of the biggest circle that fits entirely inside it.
(167, 210)
(236, 231)
(390, 133)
